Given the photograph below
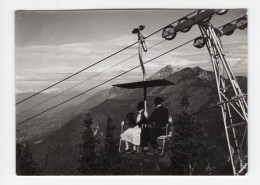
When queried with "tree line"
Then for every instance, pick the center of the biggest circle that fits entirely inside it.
(190, 151)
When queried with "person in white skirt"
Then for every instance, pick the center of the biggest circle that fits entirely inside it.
(132, 134)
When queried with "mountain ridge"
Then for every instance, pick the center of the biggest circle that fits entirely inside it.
(194, 82)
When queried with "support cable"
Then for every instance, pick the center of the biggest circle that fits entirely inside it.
(76, 73)
(104, 82)
(171, 24)
(85, 80)
(110, 79)
(97, 62)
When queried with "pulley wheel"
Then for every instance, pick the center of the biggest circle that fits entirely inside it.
(199, 42)
(185, 29)
(206, 19)
(222, 12)
(226, 27)
(239, 21)
(167, 30)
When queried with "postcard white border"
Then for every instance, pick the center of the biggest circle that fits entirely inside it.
(7, 81)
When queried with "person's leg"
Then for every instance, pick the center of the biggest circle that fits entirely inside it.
(154, 133)
(144, 138)
(153, 138)
(144, 141)
(126, 145)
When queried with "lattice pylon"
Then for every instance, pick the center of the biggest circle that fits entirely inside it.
(231, 100)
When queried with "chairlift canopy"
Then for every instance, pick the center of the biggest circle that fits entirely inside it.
(142, 84)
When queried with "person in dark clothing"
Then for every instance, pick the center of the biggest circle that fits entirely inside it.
(156, 124)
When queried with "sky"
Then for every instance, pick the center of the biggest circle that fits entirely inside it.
(51, 45)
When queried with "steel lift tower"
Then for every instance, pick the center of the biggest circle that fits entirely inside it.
(232, 101)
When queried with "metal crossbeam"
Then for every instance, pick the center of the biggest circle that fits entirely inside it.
(237, 124)
(232, 27)
(190, 22)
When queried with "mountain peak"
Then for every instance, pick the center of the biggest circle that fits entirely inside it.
(165, 72)
(200, 73)
(169, 66)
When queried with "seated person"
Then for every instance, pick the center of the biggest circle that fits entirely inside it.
(132, 134)
(157, 123)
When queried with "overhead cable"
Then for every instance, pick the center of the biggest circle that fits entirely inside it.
(94, 63)
(110, 79)
(84, 81)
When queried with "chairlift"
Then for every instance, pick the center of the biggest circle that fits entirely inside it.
(145, 84)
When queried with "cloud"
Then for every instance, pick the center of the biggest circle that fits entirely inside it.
(53, 90)
(48, 64)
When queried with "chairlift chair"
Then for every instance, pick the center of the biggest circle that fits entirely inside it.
(168, 134)
(163, 138)
(145, 83)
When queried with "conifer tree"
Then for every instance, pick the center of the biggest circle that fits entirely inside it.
(193, 153)
(87, 157)
(185, 102)
(182, 146)
(186, 145)
(25, 164)
(111, 161)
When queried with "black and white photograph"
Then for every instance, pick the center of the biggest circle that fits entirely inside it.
(131, 92)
